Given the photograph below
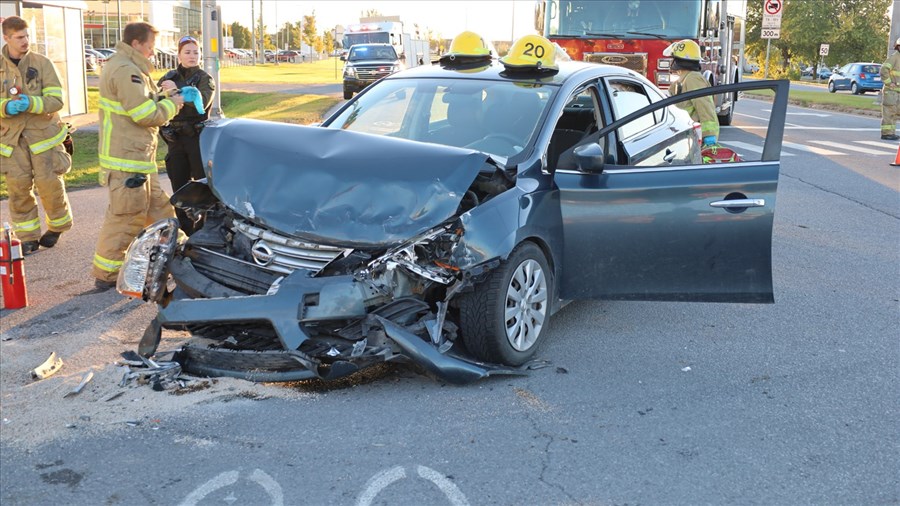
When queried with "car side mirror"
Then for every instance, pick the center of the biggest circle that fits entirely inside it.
(589, 158)
(343, 58)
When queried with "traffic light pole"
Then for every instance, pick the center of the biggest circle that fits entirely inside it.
(212, 51)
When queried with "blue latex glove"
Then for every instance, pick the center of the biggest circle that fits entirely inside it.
(709, 140)
(192, 94)
(11, 108)
(23, 103)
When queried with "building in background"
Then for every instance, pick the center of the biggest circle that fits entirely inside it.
(173, 18)
(55, 30)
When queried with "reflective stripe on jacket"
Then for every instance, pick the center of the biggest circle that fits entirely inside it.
(703, 109)
(890, 72)
(131, 112)
(36, 76)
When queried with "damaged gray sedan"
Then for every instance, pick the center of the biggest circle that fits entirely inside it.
(442, 216)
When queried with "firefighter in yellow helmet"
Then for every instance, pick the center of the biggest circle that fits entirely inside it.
(132, 109)
(890, 95)
(31, 139)
(686, 63)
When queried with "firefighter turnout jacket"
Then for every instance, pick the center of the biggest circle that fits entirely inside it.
(703, 109)
(31, 151)
(890, 97)
(131, 112)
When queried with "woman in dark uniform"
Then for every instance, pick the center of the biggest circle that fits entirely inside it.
(182, 135)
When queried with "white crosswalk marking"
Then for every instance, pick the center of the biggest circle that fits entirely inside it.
(852, 148)
(812, 149)
(879, 144)
(738, 145)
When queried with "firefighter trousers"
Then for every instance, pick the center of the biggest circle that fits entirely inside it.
(26, 171)
(128, 212)
(183, 164)
(890, 112)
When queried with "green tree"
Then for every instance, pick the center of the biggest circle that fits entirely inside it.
(328, 41)
(855, 30)
(310, 34)
(240, 34)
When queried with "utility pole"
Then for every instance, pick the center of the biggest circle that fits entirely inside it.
(211, 27)
(262, 32)
(105, 23)
(119, 17)
(895, 27)
(253, 27)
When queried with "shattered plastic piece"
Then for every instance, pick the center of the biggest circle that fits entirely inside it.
(84, 381)
(685, 369)
(445, 347)
(150, 340)
(132, 423)
(114, 396)
(50, 367)
(333, 352)
(562, 370)
(358, 348)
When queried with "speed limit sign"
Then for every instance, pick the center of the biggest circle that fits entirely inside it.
(823, 50)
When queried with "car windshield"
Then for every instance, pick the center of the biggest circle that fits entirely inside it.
(372, 53)
(497, 117)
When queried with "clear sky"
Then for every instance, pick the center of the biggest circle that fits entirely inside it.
(492, 19)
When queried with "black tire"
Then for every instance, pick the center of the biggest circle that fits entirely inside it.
(484, 327)
(348, 95)
(725, 120)
(831, 88)
(854, 89)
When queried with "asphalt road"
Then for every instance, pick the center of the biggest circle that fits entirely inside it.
(645, 403)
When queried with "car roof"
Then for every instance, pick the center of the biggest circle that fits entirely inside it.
(498, 72)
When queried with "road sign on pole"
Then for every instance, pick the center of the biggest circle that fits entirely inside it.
(823, 50)
(771, 20)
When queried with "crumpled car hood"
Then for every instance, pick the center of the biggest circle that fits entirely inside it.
(335, 186)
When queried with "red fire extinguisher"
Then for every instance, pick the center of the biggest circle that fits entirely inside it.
(12, 271)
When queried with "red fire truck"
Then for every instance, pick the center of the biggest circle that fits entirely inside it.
(634, 33)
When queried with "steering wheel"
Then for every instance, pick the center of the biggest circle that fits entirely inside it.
(505, 137)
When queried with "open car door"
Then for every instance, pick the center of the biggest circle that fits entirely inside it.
(684, 232)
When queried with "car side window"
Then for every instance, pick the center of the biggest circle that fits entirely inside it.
(576, 126)
(628, 97)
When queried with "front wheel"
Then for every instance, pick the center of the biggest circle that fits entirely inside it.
(726, 119)
(348, 95)
(503, 320)
(831, 88)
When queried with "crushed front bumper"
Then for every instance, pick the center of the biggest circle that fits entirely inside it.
(296, 300)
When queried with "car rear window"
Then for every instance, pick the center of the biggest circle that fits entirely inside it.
(871, 69)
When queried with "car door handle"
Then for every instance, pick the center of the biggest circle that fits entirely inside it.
(738, 203)
(669, 156)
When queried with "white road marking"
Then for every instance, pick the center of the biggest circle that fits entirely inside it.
(222, 480)
(447, 487)
(852, 148)
(749, 116)
(879, 144)
(812, 149)
(272, 488)
(802, 113)
(378, 483)
(385, 478)
(837, 129)
(751, 147)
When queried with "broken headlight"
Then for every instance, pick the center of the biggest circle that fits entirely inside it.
(143, 273)
(424, 255)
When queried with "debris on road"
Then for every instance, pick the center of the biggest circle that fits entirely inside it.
(50, 367)
(84, 381)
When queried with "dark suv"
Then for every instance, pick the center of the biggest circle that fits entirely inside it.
(367, 63)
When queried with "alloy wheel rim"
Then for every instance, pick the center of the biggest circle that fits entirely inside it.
(526, 305)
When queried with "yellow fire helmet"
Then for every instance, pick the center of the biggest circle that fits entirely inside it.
(531, 52)
(685, 49)
(467, 45)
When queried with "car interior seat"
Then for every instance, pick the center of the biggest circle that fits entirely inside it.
(464, 114)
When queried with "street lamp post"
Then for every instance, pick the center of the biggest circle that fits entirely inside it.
(105, 23)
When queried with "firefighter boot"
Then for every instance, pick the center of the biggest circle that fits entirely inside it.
(48, 240)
